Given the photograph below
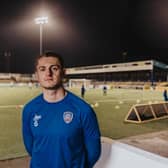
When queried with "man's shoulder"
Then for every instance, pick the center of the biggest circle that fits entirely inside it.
(78, 102)
(33, 101)
(76, 98)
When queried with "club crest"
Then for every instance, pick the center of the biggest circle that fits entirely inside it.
(67, 116)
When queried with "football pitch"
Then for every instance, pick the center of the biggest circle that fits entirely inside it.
(110, 109)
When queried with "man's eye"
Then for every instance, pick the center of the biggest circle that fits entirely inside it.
(41, 69)
(55, 68)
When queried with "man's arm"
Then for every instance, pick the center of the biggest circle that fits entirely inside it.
(92, 137)
(26, 132)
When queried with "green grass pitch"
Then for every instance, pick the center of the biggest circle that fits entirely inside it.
(110, 110)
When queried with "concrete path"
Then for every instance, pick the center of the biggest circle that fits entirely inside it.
(152, 142)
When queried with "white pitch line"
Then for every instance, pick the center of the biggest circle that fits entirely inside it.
(10, 106)
(110, 100)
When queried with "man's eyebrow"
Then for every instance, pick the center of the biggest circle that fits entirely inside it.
(43, 66)
(56, 65)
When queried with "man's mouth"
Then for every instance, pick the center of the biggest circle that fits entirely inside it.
(48, 79)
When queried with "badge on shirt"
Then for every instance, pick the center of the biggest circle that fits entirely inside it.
(36, 120)
(68, 116)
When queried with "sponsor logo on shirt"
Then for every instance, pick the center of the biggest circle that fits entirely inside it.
(68, 116)
(36, 119)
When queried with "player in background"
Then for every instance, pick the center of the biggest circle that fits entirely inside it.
(104, 90)
(83, 91)
(165, 95)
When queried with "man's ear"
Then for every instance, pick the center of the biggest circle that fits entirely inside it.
(64, 72)
(36, 76)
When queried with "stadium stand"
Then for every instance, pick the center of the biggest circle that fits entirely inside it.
(134, 75)
(150, 71)
(15, 77)
(161, 86)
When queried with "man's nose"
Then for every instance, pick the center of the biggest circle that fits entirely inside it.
(49, 71)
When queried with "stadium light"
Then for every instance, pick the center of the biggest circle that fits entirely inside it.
(41, 21)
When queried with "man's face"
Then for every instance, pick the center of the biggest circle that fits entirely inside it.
(49, 72)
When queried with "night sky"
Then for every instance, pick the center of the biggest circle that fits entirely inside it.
(85, 32)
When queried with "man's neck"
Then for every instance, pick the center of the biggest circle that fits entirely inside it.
(54, 95)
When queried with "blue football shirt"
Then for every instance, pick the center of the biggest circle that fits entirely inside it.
(64, 134)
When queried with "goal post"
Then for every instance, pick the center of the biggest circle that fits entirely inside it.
(79, 82)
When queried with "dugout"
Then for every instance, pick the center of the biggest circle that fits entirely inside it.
(149, 70)
(141, 113)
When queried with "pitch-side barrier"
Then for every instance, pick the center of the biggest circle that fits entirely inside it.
(119, 155)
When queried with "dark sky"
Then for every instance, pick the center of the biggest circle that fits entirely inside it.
(85, 32)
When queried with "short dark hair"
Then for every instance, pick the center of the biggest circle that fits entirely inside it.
(50, 54)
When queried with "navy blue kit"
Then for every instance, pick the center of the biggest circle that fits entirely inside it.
(64, 134)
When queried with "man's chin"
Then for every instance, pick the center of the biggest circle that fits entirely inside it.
(52, 87)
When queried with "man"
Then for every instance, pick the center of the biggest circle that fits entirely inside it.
(60, 130)
(83, 91)
(104, 90)
(165, 95)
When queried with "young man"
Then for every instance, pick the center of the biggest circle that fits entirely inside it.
(60, 130)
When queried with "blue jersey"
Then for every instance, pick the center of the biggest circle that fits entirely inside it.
(64, 134)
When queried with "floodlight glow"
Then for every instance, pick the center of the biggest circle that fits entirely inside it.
(41, 20)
